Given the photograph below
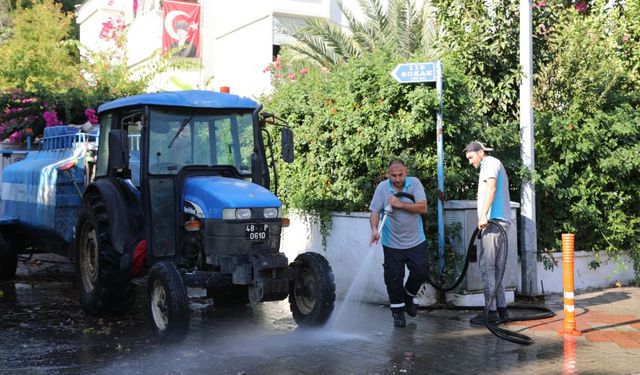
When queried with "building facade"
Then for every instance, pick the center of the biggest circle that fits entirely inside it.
(236, 40)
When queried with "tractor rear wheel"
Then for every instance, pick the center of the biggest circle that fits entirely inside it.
(8, 257)
(312, 294)
(103, 289)
(168, 306)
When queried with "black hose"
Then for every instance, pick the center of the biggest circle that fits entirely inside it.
(502, 333)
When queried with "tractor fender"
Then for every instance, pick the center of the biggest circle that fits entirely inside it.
(124, 211)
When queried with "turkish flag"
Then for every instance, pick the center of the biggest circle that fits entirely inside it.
(181, 30)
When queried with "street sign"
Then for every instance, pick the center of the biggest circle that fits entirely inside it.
(415, 72)
(430, 72)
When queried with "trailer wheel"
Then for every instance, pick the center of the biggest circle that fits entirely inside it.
(103, 289)
(8, 257)
(167, 301)
(312, 294)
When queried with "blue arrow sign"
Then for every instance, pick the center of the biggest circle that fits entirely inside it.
(415, 72)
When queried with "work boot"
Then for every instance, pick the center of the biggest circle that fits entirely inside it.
(410, 307)
(480, 318)
(504, 315)
(398, 317)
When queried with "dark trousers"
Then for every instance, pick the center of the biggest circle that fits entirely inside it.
(395, 260)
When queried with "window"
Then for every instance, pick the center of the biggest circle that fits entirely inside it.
(179, 139)
(103, 146)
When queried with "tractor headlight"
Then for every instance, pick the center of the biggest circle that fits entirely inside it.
(236, 214)
(243, 213)
(270, 213)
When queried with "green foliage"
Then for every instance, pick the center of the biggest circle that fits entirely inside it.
(588, 173)
(350, 121)
(36, 57)
(591, 62)
(41, 63)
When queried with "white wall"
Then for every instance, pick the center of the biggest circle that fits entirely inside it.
(585, 278)
(236, 38)
(347, 251)
(241, 57)
(347, 248)
(90, 16)
(144, 37)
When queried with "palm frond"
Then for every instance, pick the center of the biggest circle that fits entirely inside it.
(403, 28)
(363, 35)
(334, 37)
(316, 48)
(374, 12)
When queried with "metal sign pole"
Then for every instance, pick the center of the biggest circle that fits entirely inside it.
(430, 72)
(440, 145)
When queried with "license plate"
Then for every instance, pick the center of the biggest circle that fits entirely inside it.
(256, 232)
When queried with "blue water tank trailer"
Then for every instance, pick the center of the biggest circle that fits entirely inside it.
(170, 190)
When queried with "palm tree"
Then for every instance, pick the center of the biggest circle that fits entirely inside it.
(402, 27)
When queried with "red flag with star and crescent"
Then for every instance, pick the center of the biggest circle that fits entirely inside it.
(181, 29)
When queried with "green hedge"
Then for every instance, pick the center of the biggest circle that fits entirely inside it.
(351, 121)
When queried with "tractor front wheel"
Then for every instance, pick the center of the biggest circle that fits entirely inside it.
(167, 301)
(312, 294)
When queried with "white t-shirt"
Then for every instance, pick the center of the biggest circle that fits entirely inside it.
(491, 167)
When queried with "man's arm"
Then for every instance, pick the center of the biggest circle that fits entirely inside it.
(486, 203)
(374, 219)
(419, 207)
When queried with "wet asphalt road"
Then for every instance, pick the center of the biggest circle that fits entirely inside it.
(44, 331)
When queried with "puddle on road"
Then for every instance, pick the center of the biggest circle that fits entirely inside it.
(43, 329)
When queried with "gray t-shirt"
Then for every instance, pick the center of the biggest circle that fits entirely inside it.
(491, 167)
(402, 230)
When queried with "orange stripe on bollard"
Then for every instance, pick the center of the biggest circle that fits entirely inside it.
(569, 326)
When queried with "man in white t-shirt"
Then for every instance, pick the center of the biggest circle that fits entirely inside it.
(493, 204)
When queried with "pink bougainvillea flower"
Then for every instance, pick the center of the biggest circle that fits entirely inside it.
(539, 4)
(51, 118)
(266, 69)
(15, 137)
(278, 63)
(111, 29)
(90, 114)
(292, 76)
(581, 6)
(304, 71)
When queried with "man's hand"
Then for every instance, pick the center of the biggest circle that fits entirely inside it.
(375, 237)
(482, 221)
(395, 202)
(374, 220)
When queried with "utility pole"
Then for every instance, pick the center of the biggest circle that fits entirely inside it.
(528, 231)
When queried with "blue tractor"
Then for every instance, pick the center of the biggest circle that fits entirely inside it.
(173, 192)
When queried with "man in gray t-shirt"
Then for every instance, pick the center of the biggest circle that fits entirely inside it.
(493, 204)
(403, 200)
